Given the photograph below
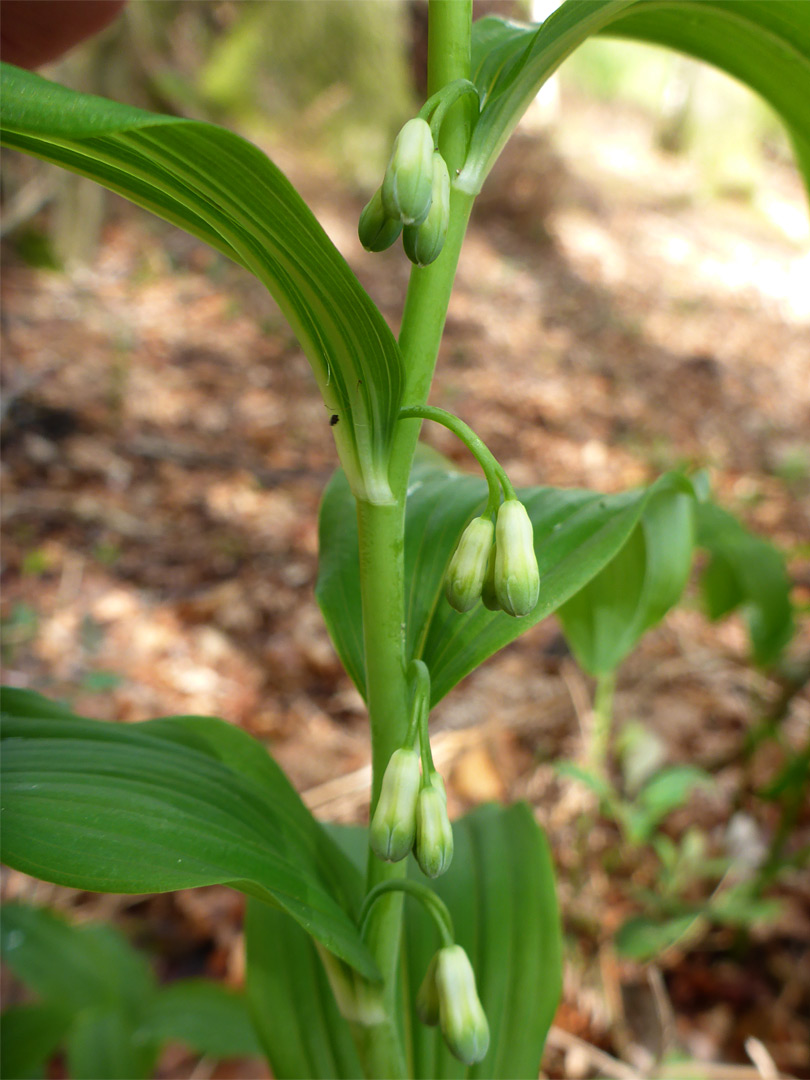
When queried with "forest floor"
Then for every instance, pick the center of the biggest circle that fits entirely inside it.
(165, 452)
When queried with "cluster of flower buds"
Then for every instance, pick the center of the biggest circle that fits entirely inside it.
(496, 564)
(411, 814)
(448, 997)
(415, 193)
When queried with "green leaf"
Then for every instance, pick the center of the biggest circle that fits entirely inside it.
(606, 619)
(665, 792)
(740, 906)
(500, 891)
(642, 938)
(88, 974)
(576, 533)
(225, 191)
(294, 1012)
(101, 1045)
(599, 785)
(117, 808)
(745, 570)
(670, 788)
(31, 1034)
(763, 43)
(97, 985)
(206, 1016)
(73, 967)
(239, 751)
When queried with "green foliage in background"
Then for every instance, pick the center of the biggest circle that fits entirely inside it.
(185, 801)
(97, 999)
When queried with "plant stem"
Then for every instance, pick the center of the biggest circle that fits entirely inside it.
(382, 530)
(429, 289)
(381, 534)
(602, 720)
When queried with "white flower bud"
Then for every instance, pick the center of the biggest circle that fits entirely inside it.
(408, 184)
(517, 578)
(468, 566)
(463, 1023)
(393, 827)
(434, 833)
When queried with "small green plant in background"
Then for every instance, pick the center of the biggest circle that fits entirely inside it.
(362, 961)
(741, 571)
(98, 1001)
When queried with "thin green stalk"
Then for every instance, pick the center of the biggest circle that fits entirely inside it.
(493, 470)
(602, 720)
(431, 901)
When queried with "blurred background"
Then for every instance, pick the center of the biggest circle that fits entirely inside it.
(634, 295)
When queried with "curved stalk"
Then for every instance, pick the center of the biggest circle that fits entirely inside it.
(492, 469)
(432, 903)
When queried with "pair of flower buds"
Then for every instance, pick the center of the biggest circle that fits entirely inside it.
(415, 193)
(496, 563)
(411, 814)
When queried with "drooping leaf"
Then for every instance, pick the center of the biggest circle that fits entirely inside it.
(577, 534)
(117, 808)
(239, 751)
(225, 191)
(500, 892)
(206, 1016)
(30, 1035)
(606, 619)
(745, 571)
(763, 43)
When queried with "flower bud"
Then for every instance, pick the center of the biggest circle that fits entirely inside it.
(434, 833)
(427, 997)
(376, 230)
(517, 578)
(407, 186)
(393, 827)
(423, 243)
(468, 566)
(461, 1016)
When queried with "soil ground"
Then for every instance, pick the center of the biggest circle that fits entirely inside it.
(165, 452)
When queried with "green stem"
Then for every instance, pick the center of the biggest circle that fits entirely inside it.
(419, 676)
(602, 720)
(423, 321)
(449, 43)
(382, 529)
(419, 681)
(433, 904)
(381, 535)
(493, 470)
(429, 288)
